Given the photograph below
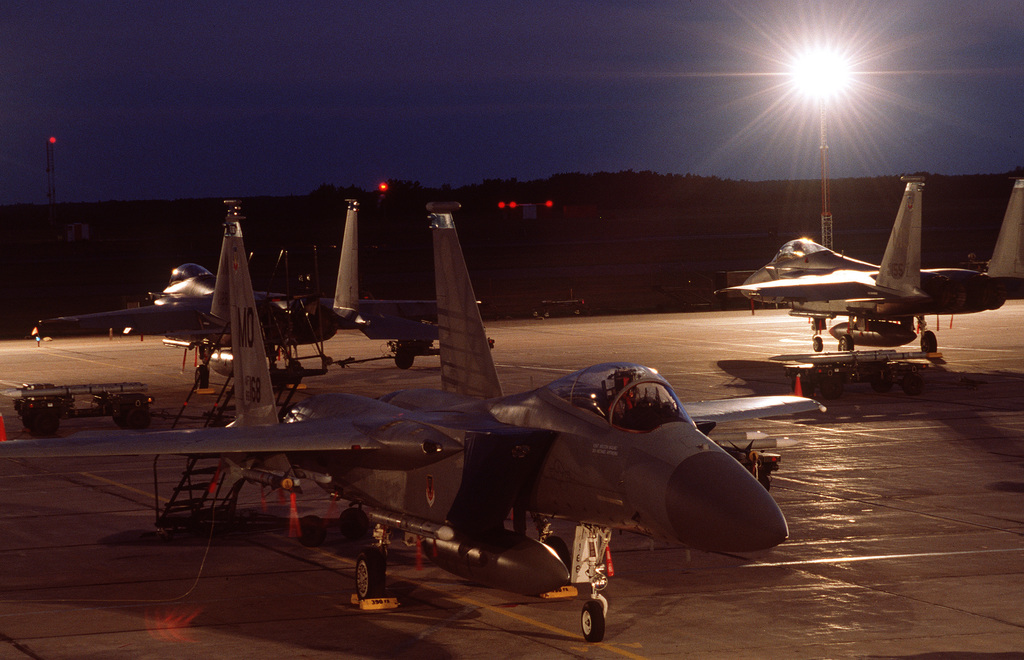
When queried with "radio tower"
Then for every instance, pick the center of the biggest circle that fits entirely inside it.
(51, 187)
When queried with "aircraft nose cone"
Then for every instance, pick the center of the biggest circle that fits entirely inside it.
(714, 504)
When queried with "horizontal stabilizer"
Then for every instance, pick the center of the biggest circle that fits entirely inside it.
(750, 407)
(378, 326)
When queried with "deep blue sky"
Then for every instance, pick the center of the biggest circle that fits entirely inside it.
(162, 100)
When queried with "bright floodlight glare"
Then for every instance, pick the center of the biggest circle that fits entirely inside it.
(821, 74)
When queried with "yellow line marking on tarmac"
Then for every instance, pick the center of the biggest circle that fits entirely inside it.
(504, 611)
(463, 599)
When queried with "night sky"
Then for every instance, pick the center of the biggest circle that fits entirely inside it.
(166, 100)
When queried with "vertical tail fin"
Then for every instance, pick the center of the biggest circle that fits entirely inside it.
(254, 396)
(466, 363)
(346, 293)
(220, 305)
(1008, 256)
(901, 265)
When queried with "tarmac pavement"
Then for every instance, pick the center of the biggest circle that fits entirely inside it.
(906, 518)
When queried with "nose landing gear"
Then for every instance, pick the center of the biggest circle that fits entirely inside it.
(589, 565)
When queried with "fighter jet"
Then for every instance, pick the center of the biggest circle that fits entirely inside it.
(883, 301)
(187, 311)
(607, 447)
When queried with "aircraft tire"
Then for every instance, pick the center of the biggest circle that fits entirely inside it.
(846, 343)
(404, 359)
(44, 423)
(912, 384)
(929, 344)
(371, 571)
(817, 344)
(312, 531)
(353, 523)
(831, 387)
(137, 418)
(592, 621)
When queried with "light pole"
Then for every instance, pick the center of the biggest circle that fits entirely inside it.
(826, 214)
(821, 75)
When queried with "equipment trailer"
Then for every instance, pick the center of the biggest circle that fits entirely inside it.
(828, 372)
(41, 406)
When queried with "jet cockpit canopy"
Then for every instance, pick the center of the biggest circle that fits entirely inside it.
(185, 276)
(797, 249)
(629, 396)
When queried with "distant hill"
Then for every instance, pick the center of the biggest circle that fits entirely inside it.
(624, 241)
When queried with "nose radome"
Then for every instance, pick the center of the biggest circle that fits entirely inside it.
(714, 504)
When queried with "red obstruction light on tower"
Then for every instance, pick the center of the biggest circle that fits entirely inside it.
(382, 186)
(53, 140)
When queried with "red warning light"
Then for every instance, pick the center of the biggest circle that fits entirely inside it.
(549, 203)
(501, 205)
(512, 205)
(53, 140)
(382, 186)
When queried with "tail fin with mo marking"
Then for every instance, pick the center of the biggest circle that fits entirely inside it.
(254, 396)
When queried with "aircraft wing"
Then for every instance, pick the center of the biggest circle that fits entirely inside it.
(313, 435)
(150, 320)
(838, 285)
(750, 407)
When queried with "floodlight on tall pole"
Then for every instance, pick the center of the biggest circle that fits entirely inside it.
(826, 213)
(821, 75)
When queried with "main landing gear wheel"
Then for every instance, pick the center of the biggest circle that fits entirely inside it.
(845, 343)
(404, 359)
(929, 344)
(353, 523)
(592, 618)
(817, 344)
(312, 531)
(371, 571)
